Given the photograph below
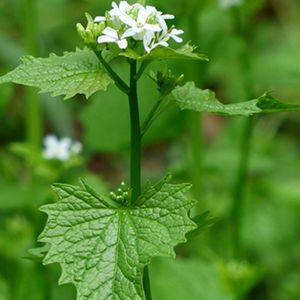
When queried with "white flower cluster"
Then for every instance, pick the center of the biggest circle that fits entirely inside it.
(229, 3)
(60, 149)
(146, 24)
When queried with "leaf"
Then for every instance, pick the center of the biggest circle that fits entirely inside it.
(103, 248)
(192, 98)
(73, 73)
(203, 221)
(187, 51)
(37, 254)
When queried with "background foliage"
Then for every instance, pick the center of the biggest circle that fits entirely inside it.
(268, 264)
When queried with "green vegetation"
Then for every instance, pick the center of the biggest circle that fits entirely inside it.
(140, 109)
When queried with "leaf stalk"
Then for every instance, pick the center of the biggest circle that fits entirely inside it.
(117, 79)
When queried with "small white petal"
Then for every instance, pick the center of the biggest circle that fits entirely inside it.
(128, 33)
(50, 141)
(168, 17)
(152, 9)
(163, 44)
(115, 5)
(110, 32)
(66, 142)
(138, 6)
(153, 27)
(105, 39)
(128, 20)
(176, 31)
(162, 24)
(124, 6)
(176, 38)
(76, 148)
(142, 16)
(63, 154)
(99, 19)
(122, 44)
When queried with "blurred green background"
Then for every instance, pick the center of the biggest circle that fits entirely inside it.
(245, 172)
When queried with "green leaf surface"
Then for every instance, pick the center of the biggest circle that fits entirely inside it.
(103, 248)
(187, 51)
(73, 73)
(192, 98)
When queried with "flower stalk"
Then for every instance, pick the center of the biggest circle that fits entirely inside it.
(135, 147)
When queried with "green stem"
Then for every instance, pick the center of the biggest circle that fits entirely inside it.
(135, 154)
(117, 79)
(240, 187)
(151, 117)
(239, 192)
(146, 284)
(143, 67)
(33, 108)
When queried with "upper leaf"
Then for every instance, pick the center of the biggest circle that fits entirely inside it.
(187, 51)
(103, 248)
(73, 73)
(193, 98)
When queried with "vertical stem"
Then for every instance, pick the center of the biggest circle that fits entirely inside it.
(146, 284)
(237, 211)
(240, 187)
(135, 155)
(33, 110)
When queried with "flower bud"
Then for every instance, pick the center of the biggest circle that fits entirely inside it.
(91, 32)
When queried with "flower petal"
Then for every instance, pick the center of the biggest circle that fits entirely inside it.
(122, 44)
(105, 39)
(99, 19)
(127, 20)
(142, 16)
(153, 27)
(128, 33)
(168, 17)
(176, 38)
(111, 32)
(176, 31)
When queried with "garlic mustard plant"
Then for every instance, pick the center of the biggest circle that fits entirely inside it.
(104, 243)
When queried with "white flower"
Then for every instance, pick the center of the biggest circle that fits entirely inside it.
(110, 35)
(61, 149)
(120, 10)
(140, 23)
(140, 27)
(174, 35)
(229, 3)
(163, 39)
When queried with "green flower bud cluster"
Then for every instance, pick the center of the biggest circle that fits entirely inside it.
(91, 32)
(166, 81)
(122, 195)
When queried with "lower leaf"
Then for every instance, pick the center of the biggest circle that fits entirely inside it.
(103, 248)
